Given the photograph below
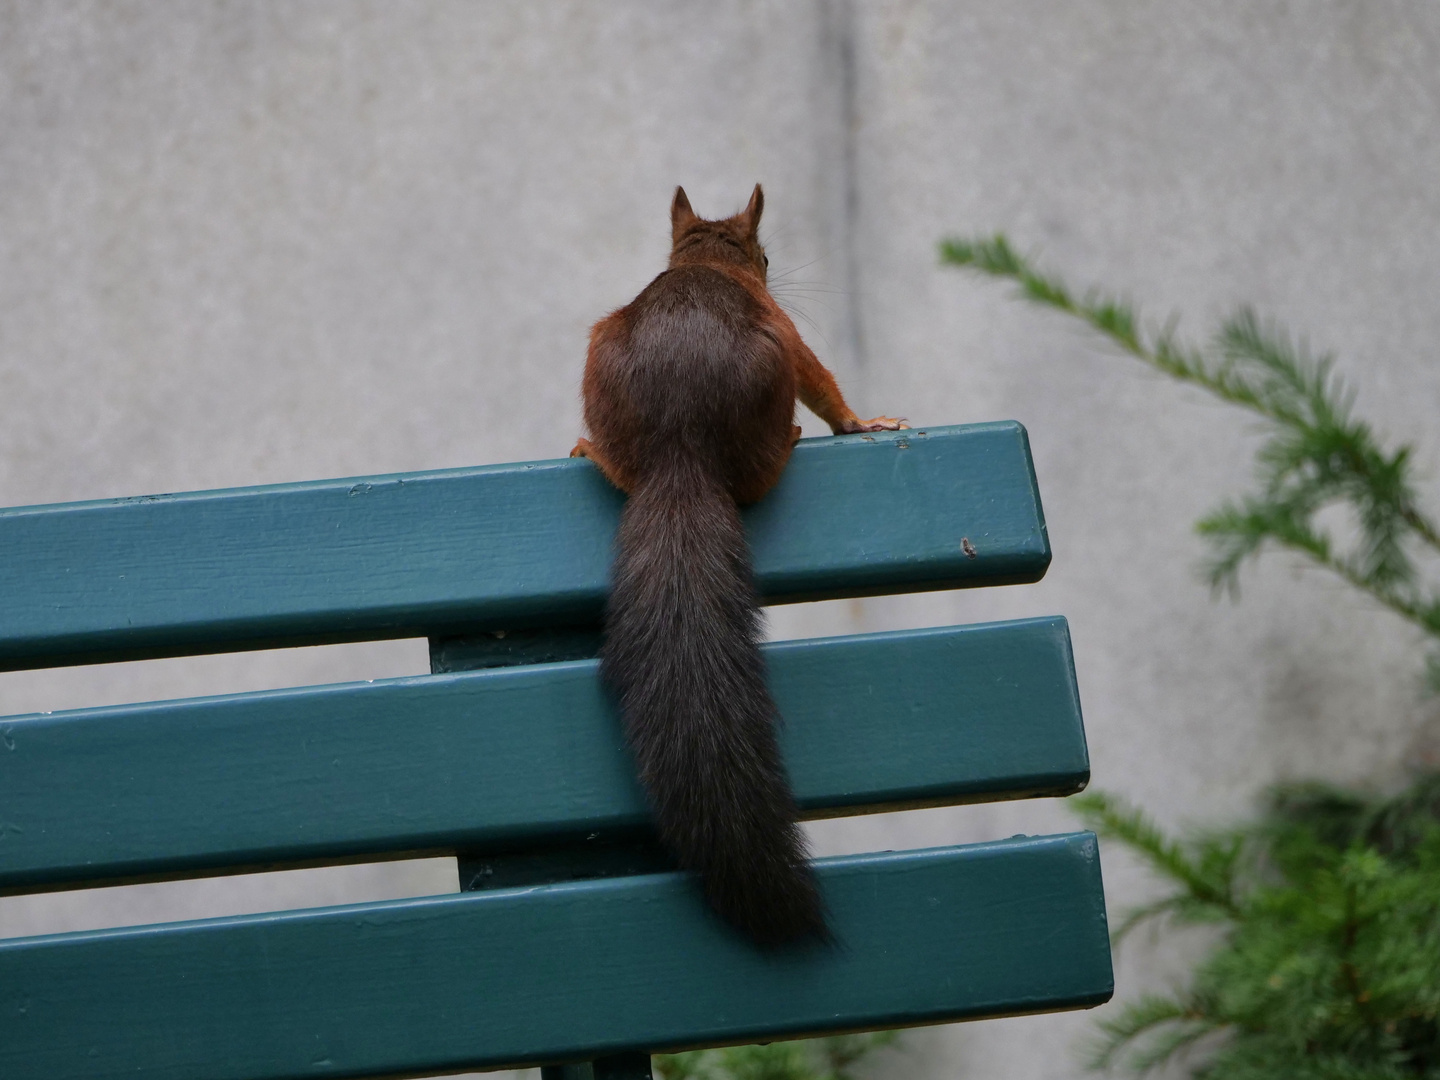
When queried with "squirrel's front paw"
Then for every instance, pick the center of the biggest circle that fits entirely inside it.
(880, 423)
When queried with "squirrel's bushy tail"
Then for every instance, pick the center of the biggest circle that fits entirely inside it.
(682, 654)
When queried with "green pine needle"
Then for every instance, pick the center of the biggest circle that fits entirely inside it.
(1162, 1027)
(1315, 456)
(1204, 872)
(1328, 964)
(798, 1059)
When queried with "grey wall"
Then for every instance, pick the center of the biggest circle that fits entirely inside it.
(254, 242)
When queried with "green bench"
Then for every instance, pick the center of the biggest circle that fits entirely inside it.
(570, 941)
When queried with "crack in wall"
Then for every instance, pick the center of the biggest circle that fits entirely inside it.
(841, 64)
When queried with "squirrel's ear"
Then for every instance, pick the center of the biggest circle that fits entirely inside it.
(753, 209)
(681, 216)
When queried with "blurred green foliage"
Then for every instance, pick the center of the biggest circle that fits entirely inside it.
(1325, 911)
(1315, 455)
(1328, 962)
(801, 1059)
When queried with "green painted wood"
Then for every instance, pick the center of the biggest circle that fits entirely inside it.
(513, 757)
(554, 973)
(502, 547)
(580, 1070)
(631, 1065)
(508, 648)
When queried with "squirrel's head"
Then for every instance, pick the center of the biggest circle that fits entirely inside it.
(693, 239)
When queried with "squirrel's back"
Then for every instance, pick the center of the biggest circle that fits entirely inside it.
(694, 371)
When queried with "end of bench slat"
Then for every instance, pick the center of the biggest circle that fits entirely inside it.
(553, 973)
(501, 547)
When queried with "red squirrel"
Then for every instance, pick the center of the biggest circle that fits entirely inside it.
(689, 395)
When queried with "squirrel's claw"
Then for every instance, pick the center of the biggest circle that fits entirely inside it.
(880, 423)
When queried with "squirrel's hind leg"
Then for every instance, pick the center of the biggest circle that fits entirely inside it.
(586, 449)
(755, 488)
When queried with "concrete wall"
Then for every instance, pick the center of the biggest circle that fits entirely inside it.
(254, 242)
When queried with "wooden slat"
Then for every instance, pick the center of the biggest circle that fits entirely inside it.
(512, 756)
(500, 547)
(555, 972)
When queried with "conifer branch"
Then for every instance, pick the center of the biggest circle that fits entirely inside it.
(1315, 454)
(1205, 874)
(1327, 966)
(1163, 1026)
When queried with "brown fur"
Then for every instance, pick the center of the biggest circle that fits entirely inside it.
(690, 397)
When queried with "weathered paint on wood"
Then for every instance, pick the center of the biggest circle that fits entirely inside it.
(513, 756)
(554, 973)
(429, 554)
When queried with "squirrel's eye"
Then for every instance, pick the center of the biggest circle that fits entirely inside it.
(767, 260)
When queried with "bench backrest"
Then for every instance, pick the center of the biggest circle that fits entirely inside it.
(571, 939)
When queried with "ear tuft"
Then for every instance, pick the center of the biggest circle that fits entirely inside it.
(681, 216)
(753, 210)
